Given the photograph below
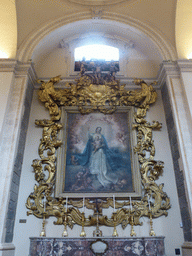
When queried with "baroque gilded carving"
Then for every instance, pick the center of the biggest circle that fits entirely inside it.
(90, 96)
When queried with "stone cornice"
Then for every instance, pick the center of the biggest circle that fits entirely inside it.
(19, 68)
(168, 68)
(7, 65)
(23, 69)
(185, 65)
(173, 69)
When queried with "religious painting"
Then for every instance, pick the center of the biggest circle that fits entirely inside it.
(97, 153)
(93, 64)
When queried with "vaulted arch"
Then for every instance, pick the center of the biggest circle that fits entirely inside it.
(159, 41)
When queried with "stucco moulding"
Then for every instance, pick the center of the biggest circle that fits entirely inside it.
(98, 2)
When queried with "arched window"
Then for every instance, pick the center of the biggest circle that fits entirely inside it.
(96, 53)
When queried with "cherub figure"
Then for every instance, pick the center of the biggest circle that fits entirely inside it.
(82, 181)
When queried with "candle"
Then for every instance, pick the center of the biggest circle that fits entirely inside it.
(130, 203)
(114, 202)
(66, 202)
(83, 204)
(149, 202)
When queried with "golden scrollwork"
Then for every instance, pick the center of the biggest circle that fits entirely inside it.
(106, 98)
(91, 97)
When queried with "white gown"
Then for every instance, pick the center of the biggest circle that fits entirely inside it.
(98, 165)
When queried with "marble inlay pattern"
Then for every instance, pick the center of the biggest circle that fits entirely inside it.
(146, 246)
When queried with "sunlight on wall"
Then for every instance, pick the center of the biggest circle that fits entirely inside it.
(97, 51)
(3, 55)
(183, 29)
(8, 29)
(189, 56)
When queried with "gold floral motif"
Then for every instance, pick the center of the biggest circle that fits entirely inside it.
(105, 98)
(91, 97)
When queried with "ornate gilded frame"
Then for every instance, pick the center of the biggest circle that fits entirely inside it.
(61, 159)
(89, 95)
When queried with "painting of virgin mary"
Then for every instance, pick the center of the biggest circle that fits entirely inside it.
(93, 165)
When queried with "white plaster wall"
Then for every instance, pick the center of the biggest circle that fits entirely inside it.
(54, 64)
(58, 61)
(170, 225)
(163, 226)
(141, 68)
(5, 83)
(187, 78)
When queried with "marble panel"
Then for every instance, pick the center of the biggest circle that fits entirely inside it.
(143, 246)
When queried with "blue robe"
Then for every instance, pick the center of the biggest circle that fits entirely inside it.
(115, 159)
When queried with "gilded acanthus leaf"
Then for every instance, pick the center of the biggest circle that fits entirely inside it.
(90, 95)
(99, 97)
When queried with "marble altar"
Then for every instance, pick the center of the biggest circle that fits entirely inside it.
(141, 246)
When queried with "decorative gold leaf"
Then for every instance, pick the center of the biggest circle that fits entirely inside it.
(105, 98)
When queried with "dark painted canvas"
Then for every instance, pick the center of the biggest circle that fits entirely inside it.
(98, 154)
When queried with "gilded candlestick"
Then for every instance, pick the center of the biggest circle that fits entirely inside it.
(43, 234)
(132, 224)
(151, 233)
(97, 232)
(115, 234)
(83, 234)
(65, 233)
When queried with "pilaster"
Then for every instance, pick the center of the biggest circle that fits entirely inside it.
(185, 67)
(13, 134)
(179, 125)
(7, 67)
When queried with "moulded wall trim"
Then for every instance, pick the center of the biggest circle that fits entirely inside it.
(27, 47)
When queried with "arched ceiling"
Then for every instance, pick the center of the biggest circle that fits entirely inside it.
(132, 43)
(83, 32)
(99, 22)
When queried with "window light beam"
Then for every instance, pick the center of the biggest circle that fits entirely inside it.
(97, 51)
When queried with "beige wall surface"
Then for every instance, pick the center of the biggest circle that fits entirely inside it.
(8, 29)
(183, 29)
(32, 14)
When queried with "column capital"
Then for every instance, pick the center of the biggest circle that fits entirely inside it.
(7, 65)
(185, 65)
(19, 68)
(167, 68)
(26, 69)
